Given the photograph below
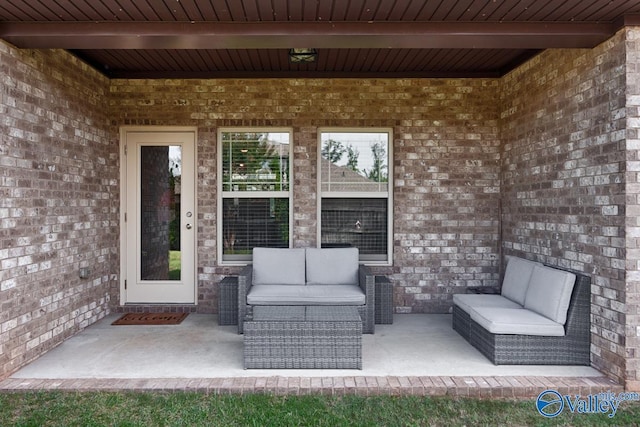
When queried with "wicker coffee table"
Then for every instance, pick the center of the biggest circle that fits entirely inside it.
(303, 337)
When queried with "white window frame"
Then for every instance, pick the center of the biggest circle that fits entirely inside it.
(388, 194)
(249, 194)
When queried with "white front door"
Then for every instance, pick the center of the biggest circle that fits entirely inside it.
(159, 218)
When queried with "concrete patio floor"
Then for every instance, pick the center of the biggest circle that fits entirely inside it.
(417, 354)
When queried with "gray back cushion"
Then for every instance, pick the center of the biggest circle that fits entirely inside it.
(549, 293)
(275, 266)
(335, 266)
(516, 278)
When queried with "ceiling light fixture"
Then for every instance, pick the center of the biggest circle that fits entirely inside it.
(302, 55)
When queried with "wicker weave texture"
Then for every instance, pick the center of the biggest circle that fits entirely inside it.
(384, 301)
(366, 281)
(503, 349)
(327, 338)
(461, 322)
(228, 301)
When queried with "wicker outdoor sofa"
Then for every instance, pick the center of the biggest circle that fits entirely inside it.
(307, 277)
(541, 317)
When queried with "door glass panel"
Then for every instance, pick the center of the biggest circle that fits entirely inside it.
(160, 173)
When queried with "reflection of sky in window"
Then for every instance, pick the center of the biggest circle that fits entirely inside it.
(281, 138)
(280, 142)
(362, 142)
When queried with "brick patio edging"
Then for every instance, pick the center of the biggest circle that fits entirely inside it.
(480, 387)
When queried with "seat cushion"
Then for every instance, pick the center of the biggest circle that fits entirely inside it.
(305, 295)
(467, 302)
(516, 278)
(549, 293)
(334, 266)
(278, 266)
(515, 321)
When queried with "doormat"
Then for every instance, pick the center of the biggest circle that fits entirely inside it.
(151, 319)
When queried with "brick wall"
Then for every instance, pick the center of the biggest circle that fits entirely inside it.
(563, 169)
(58, 201)
(446, 165)
(543, 149)
(632, 209)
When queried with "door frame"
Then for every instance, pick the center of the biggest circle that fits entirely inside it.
(123, 204)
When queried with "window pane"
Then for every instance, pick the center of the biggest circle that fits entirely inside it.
(255, 161)
(355, 161)
(249, 223)
(160, 175)
(361, 223)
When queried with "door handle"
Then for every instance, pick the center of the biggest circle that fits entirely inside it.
(188, 226)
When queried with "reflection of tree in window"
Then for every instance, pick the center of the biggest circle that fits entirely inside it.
(352, 156)
(377, 172)
(355, 204)
(174, 183)
(333, 150)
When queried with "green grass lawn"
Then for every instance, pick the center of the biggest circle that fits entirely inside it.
(175, 265)
(200, 409)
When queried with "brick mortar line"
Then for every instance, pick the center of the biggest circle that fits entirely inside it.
(474, 387)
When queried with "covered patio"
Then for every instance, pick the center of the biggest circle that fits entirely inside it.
(512, 129)
(418, 354)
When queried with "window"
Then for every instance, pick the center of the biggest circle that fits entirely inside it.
(255, 206)
(355, 189)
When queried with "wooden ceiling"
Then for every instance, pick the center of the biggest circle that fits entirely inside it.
(354, 38)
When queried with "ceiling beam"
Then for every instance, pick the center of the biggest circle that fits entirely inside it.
(293, 74)
(276, 35)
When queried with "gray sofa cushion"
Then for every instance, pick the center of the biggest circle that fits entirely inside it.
(516, 278)
(549, 293)
(335, 266)
(515, 321)
(469, 301)
(305, 295)
(276, 266)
